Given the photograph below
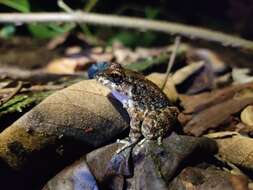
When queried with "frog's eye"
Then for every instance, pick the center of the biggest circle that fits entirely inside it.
(116, 77)
(115, 66)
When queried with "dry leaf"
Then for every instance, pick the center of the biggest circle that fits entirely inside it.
(223, 80)
(202, 80)
(241, 75)
(124, 55)
(169, 88)
(81, 113)
(212, 116)
(193, 178)
(234, 148)
(208, 56)
(67, 65)
(199, 102)
(182, 74)
(247, 115)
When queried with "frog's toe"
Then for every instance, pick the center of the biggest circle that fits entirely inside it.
(124, 141)
(159, 141)
(126, 146)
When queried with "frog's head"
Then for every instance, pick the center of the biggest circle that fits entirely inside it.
(114, 77)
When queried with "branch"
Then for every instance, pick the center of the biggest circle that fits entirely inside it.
(130, 22)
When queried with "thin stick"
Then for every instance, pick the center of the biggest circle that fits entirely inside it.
(11, 95)
(64, 6)
(172, 59)
(35, 88)
(129, 22)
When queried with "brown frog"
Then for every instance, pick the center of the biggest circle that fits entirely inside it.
(151, 113)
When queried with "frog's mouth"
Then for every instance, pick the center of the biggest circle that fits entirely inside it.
(106, 83)
(116, 94)
(103, 81)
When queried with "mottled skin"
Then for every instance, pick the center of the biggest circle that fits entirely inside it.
(151, 113)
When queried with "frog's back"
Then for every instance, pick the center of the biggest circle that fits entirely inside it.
(146, 94)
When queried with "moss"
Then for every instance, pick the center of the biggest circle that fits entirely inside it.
(21, 102)
(16, 144)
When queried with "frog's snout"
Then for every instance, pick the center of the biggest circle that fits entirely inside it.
(96, 76)
(99, 77)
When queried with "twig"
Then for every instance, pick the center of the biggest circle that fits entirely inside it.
(35, 88)
(172, 60)
(84, 28)
(64, 6)
(130, 22)
(12, 94)
(89, 5)
(34, 76)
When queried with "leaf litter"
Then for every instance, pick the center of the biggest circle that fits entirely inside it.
(213, 131)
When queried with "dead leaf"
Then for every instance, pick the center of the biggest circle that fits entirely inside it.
(199, 102)
(223, 80)
(81, 112)
(215, 115)
(247, 115)
(67, 65)
(124, 55)
(235, 148)
(239, 182)
(201, 54)
(244, 129)
(68, 39)
(193, 178)
(241, 75)
(169, 88)
(182, 74)
(195, 77)
(22, 52)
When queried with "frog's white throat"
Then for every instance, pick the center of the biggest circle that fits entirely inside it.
(124, 90)
(122, 95)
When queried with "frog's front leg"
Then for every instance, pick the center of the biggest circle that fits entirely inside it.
(135, 129)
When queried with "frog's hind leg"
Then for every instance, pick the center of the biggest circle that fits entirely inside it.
(158, 123)
(153, 125)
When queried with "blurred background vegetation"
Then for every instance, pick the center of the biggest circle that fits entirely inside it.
(231, 16)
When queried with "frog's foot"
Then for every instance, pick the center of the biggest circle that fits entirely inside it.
(123, 148)
(142, 142)
(140, 145)
(159, 141)
(123, 141)
(128, 144)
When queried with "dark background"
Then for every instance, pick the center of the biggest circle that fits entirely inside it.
(231, 16)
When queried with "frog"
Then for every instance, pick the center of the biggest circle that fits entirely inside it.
(151, 113)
